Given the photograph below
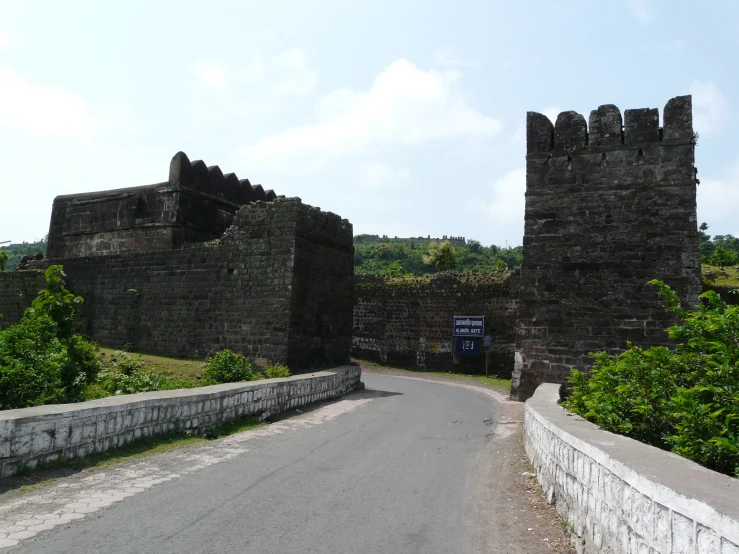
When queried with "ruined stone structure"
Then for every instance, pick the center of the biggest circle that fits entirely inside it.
(196, 204)
(609, 206)
(409, 322)
(205, 262)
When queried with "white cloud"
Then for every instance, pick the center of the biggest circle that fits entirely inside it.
(377, 175)
(8, 40)
(285, 74)
(641, 9)
(709, 107)
(509, 198)
(501, 210)
(293, 76)
(552, 112)
(209, 74)
(448, 58)
(405, 106)
(717, 201)
(42, 110)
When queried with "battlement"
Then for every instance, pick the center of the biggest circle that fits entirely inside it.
(197, 203)
(606, 130)
(211, 180)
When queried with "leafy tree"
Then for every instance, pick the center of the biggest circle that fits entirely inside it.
(441, 256)
(722, 257)
(4, 256)
(722, 250)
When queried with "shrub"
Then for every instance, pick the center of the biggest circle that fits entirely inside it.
(229, 367)
(31, 362)
(684, 399)
(41, 360)
(274, 371)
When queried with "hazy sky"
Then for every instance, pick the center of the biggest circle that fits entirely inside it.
(406, 117)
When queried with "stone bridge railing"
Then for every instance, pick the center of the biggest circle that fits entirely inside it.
(46, 433)
(622, 496)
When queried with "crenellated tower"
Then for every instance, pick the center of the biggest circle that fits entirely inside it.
(610, 205)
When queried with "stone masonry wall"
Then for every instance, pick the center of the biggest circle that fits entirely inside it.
(409, 323)
(322, 289)
(621, 496)
(17, 290)
(46, 433)
(241, 292)
(608, 208)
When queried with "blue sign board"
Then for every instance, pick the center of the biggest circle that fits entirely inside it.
(468, 347)
(469, 326)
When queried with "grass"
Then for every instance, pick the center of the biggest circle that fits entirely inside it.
(169, 367)
(720, 277)
(134, 450)
(503, 385)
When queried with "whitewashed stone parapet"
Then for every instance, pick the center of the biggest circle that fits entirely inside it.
(622, 496)
(45, 433)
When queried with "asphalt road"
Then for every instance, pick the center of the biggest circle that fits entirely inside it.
(414, 469)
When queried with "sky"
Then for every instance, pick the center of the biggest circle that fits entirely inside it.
(405, 117)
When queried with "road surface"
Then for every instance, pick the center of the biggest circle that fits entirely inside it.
(406, 466)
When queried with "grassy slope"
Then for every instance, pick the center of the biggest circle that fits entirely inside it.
(720, 277)
(169, 367)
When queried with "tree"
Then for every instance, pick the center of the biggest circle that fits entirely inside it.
(442, 256)
(3, 260)
(722, 257)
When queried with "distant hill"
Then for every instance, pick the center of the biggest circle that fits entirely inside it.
(386, 256)
(17, 251)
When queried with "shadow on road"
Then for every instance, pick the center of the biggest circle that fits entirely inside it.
(358, 395)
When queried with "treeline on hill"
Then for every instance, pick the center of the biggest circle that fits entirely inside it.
(397, 257)
(10, 255)
(720, 251)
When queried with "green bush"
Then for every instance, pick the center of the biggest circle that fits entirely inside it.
(229, 367)
(274, 371)
(41, 360)
(684, 399)
(31, 362)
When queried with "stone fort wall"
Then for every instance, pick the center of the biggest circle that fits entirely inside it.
(276, 283)
(409, 322)
(609, 206)
(17, 290)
